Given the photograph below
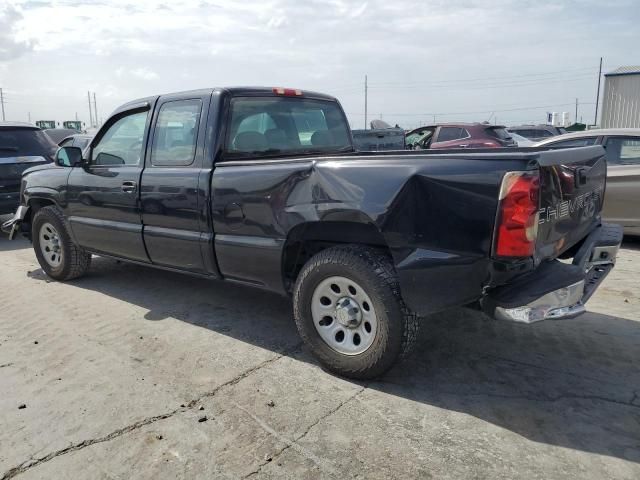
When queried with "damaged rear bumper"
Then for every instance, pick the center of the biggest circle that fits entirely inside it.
(13, 226)
(557, 290)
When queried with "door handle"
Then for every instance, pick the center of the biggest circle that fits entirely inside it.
(129, 187)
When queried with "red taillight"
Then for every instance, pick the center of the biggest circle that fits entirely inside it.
(287, 92)
(518, 215)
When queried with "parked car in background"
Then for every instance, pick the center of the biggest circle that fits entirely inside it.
(622, 146)
(459, 135)
(22, 145)
(381, 136)
(79, 140)
(76, 125)
(521, 141)
(59, 134)
(537, 133)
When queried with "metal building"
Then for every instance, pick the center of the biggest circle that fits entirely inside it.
(621, 98)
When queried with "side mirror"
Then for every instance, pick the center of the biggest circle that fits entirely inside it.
(68, 157)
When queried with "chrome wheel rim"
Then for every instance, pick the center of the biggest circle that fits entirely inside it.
(50, 246)
(343, 315)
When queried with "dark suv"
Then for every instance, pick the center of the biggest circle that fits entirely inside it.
(536, 133)
(459, 135)
(22, 145)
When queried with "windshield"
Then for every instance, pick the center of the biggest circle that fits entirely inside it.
(285, 125)
(418, 137)
(22, 142)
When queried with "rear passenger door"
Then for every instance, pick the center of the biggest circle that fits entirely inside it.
(451, 137)
(174, 187)
(622, 196)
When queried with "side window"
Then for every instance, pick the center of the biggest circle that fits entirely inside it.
(623, 151)
(576, 142)
(81, 143)
(121, 144)
(542, 133)
(176, 133)
(447, 134)
(67, 142)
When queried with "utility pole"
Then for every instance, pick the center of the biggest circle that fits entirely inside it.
(2, 102)
(366, 88)
(95, 108)
(90, 112)
(29, 116)
(595, 120)
(576, 117)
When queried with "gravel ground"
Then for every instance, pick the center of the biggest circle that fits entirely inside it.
(136, 373)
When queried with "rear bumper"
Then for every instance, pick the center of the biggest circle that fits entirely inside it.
(12, 226)
(557, 290)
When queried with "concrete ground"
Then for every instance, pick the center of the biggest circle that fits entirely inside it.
(136, 373)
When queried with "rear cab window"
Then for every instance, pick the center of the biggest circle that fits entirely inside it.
(276, 126)
(25, 142)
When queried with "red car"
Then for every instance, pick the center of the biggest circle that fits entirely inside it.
(459, 135)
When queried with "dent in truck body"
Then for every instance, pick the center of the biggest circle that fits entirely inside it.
(435, 217)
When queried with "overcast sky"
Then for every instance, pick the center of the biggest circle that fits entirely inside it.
(456, 59)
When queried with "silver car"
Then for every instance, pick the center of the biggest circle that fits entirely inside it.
(622, 198)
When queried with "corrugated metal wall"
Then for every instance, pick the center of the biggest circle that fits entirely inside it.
(621, 102)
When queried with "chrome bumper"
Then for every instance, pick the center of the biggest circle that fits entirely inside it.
(592, 263)
(562, 303)
(12, 226)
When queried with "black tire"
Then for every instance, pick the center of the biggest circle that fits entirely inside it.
(397, 329)
(75, 261)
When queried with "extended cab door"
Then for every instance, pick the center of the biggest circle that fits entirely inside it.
(171, 198)
(103, 194)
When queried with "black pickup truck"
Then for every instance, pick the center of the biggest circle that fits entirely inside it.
(263, 187)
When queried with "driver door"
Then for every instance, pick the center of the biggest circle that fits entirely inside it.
(103, 195)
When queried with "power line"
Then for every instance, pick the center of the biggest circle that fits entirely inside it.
(355, 86)
(502, 77)
(489, 110)
(480, 86)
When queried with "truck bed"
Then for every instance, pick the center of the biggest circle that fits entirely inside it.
(435, 211)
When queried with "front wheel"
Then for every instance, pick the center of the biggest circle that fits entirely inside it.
(59, 257)
(349, 311)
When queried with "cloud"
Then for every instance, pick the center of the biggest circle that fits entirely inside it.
(11, 47)
(420, 57)
(142, 73)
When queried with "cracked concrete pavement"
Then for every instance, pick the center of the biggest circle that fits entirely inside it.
(129, 361)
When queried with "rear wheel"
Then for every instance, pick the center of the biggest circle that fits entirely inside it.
(349, 311)
(58, 256)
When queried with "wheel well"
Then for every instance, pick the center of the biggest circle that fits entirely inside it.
(35, 204)
(307, 239)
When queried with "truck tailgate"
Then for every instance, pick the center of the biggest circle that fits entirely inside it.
(572, 185)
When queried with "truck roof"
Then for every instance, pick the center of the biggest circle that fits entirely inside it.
(236, 91)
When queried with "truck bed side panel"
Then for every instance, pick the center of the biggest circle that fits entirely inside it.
(437, 213)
